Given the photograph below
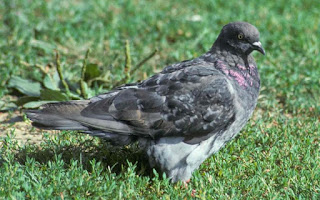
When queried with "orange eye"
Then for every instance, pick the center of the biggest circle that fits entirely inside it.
(240, 36)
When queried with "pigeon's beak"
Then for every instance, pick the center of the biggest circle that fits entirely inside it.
(258, 46)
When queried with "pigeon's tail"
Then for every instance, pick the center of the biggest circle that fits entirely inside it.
(69, 116)
(58, 116)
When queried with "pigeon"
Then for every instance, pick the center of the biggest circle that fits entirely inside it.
(180, 116)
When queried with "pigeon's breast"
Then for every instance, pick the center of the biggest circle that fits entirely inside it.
(247, 91)
(245, 83)
(245, 77)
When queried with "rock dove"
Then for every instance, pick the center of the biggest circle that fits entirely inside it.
(179, 116)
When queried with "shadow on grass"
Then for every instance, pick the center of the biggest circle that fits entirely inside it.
(118, 159)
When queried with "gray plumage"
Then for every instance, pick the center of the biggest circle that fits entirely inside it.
(181, 115)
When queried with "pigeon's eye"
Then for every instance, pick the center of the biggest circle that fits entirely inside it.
(240, 36)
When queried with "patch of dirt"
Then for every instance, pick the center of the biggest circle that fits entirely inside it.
(22, 129)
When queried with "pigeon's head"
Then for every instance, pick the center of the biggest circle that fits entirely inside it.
(242, 37)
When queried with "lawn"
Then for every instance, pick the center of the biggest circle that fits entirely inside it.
(276, 156)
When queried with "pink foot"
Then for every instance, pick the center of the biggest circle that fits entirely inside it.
(186, 183)
(193, 193)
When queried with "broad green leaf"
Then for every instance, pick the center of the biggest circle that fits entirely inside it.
(36, 104)
(54, 95)
(74, 96)
(92, 71)
(23, 100)
(25, 86)
(8, 106)
(50, 83)
(1, 104)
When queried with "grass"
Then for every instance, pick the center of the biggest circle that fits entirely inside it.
(277, 155)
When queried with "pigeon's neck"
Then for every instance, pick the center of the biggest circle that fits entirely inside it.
(230, 56)
(239, 68)
(222, 49)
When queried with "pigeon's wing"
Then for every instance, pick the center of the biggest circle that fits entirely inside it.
(194, 102)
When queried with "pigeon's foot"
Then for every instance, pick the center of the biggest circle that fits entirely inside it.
(185, 183)
(193, 193)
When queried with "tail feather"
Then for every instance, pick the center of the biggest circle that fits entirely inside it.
(46, 121)
(58, 116)
(67, 116)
